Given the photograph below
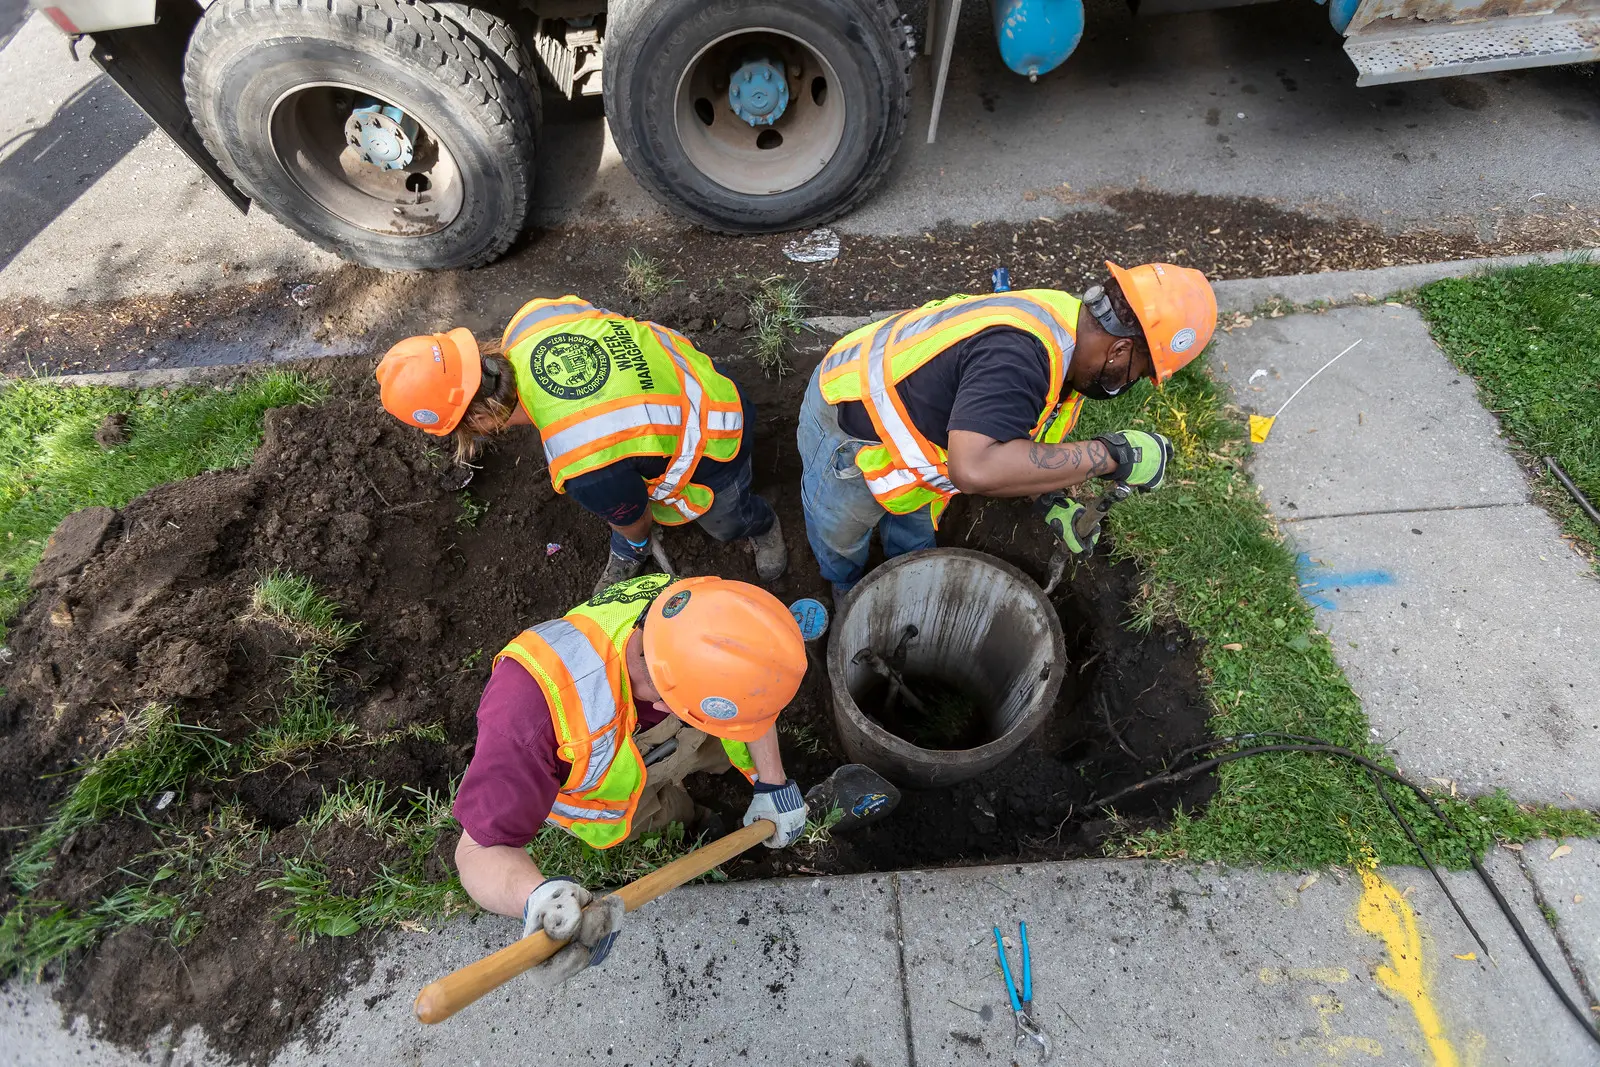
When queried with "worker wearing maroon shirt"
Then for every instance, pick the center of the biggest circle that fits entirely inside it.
(591, 722)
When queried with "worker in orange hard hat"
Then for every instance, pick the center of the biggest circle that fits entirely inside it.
(638, 425)
(590, 723)
(976, 394)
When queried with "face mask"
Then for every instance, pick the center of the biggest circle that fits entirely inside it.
(1096, 391)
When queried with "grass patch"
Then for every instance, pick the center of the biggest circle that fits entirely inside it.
(50, 465)
(777, 314)
(156, 753)
(293, 603)
(472, 510)
(306, 716)
(401, 895)
(644, 276)
(1213, 560)
(1531, 338)
(602, 870)
(162, 890)
(802, 736)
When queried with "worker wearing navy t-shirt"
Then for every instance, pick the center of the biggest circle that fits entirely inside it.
(975, 394)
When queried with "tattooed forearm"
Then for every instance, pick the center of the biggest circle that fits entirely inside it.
(1054, 457)
(1092, 454)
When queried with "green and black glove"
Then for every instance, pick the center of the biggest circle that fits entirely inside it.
(1060, 514)
(1141, 458)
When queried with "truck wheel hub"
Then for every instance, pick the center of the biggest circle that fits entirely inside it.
(382, 135)
(758, 92)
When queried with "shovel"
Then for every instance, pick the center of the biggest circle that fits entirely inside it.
(843, 788)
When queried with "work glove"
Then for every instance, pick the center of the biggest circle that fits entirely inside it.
(568, 912)
(784, 805)
(556, 907)
(1060, 513)
(1141, 458)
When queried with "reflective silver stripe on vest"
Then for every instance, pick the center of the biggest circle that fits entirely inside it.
(567, 811)
(894, 479)
(689, 438)
(725, 421)
(633, 417)
(533, 319)
(1011, 301)
(844, 355)
(902, 436)
(592, 688)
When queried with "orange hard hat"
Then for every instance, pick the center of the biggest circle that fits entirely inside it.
(1177, 309)
(429, 381)
(725, 656)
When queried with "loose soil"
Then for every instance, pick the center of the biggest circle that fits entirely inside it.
(357, 310)
(352, 499)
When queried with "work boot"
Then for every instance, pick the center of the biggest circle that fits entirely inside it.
(618, 569)
(772, 556)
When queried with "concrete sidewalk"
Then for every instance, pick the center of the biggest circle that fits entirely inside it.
(1134, 962)
(1463, 620)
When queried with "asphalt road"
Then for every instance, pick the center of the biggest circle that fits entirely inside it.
(1257, 101)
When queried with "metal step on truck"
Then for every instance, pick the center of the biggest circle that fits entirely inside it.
(403, 134)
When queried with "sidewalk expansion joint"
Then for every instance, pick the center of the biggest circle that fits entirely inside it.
(1584, 989)
(1406, 511)
(905, 981)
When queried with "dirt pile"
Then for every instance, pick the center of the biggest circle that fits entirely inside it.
(155, 609)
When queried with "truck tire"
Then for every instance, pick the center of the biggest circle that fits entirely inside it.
(817, 146)
(448, 179)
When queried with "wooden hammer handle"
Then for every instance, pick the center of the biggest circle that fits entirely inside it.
(443, 998)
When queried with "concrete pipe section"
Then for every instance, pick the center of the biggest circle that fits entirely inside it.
(960, 629)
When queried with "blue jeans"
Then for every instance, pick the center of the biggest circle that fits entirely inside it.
(840, 510)
(735, 511)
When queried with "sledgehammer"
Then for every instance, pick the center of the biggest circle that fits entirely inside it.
(852, 787)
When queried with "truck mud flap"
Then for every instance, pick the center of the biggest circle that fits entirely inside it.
(146, 62)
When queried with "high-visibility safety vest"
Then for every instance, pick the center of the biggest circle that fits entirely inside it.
(906, 471)
(602, 387)
(579, 663)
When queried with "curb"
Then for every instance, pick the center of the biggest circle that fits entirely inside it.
(1356, 286)
(1328, 287)
(1238, 294)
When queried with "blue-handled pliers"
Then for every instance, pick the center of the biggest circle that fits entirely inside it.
(1022, 1007)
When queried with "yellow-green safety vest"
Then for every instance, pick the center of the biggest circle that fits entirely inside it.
(906, 471)
(602, 387)
(580, 664)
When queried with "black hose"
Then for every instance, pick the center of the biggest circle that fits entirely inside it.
(1312, 744)
(1577, 494)
(1405, 824)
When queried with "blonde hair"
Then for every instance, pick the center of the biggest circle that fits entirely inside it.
(491, 409)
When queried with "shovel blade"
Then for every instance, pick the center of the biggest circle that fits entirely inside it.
(861, 793)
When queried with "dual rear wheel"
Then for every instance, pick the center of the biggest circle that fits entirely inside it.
(402, 134)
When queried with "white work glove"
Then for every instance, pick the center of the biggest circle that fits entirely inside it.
(784, 805)
(555, 907)
(566, 911)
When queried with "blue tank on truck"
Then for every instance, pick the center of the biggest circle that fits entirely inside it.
(1037, 36)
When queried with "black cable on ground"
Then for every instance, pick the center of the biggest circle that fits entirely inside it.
(1312, 744)
(1405, 824)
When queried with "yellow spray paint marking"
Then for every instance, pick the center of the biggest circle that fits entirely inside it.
(1274, 975)
(1386, 914)
(1330, 1049)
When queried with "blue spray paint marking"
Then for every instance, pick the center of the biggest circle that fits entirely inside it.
(1316, 580)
